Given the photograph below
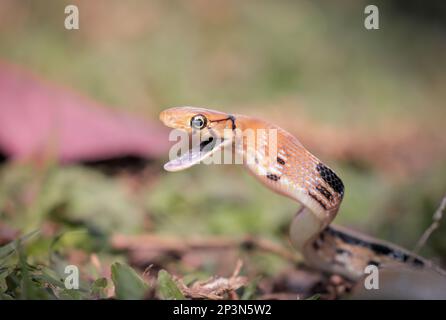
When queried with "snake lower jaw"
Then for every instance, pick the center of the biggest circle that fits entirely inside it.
(199, 151)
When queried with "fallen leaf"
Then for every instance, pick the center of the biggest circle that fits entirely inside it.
(39, 119)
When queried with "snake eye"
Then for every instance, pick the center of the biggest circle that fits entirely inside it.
(198, 122)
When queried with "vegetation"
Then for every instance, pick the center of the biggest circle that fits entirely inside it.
(369, 103)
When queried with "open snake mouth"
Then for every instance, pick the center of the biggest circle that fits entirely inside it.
(201, 148)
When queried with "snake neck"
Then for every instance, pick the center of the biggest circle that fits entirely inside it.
(305, 228)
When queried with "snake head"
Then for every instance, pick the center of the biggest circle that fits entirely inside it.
(208, 130)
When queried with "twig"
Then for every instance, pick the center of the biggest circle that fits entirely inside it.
(237, 269)
(158, 243)
(436, 219)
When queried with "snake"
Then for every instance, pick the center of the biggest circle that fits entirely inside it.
(292, 171)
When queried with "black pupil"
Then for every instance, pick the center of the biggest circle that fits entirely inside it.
(198, 122)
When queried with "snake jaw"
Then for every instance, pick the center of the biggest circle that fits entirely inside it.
(201, 149)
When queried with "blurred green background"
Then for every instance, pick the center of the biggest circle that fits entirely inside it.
(371, 104)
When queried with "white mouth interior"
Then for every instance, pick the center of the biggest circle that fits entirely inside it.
(199, 152)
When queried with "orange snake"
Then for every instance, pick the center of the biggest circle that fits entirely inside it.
(298, 174)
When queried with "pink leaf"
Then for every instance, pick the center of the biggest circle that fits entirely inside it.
(38, 118)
